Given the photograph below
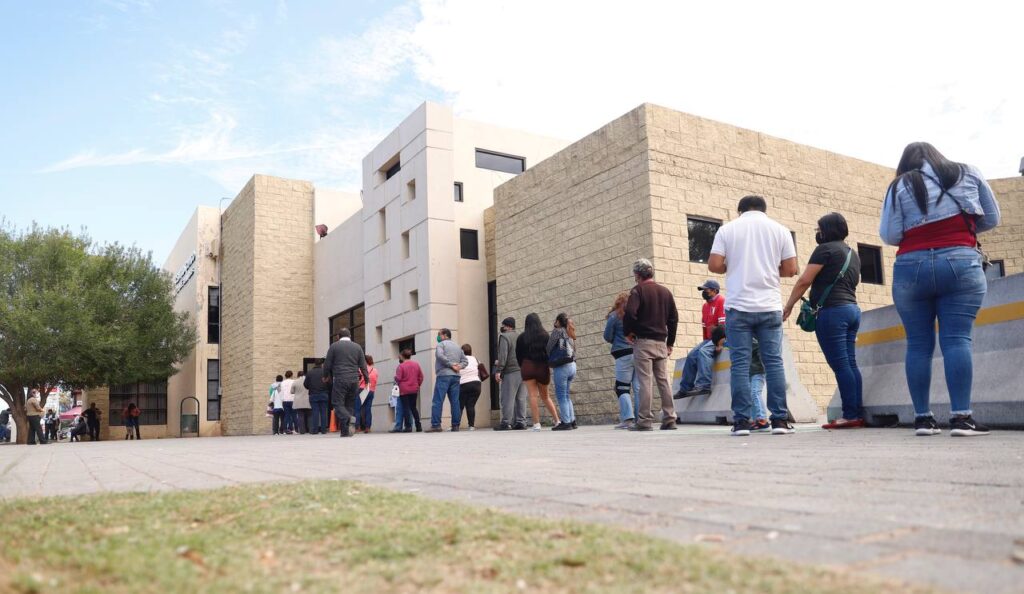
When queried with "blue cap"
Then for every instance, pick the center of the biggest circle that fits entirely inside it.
(711, 284)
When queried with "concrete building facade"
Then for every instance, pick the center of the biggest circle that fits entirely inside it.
(657, 183)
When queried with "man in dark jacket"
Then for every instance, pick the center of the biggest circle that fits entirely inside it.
(510, 378)
(345, 364)
(319, 394)
(650, 324)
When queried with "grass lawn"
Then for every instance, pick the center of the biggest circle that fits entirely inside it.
(332, 536)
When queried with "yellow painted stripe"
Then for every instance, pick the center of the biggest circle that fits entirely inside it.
(720, 366)
(996, 314)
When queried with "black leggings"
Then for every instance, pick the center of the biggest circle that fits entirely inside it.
(469, 393)
(409, 402)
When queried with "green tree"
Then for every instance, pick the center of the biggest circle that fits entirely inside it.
(79, 315)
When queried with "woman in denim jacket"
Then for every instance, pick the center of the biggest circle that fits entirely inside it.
(933, 211)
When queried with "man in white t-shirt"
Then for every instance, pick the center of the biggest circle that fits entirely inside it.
(753, 252)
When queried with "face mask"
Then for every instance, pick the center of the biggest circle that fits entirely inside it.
(707, 295)
(818, 237)
(438, 338)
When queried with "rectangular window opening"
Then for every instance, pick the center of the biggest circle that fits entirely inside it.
(414, 300)
(213, 315)
(469, 244)
(382, 230)
(500, 162)
(392, 169)
(404, 343)
(355, 320)
(996, 269)
(701, 235)
(405, 245)
(458, 192)
(410, 191)
(387, 290)
(870, 264)
(212, 390)
(150, 397)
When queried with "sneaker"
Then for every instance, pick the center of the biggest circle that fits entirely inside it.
(925, 426)
(435, 429)
(536, 427)
(574, 425)
(471, 428)
(760, 426)
(697, 392)
(455, 428)
(641, 428)
(503, 427)
(668, 426)
(519, 427)
(782, 427)
(740, 428)
(562, 427)
(965, 426)
(625, 424)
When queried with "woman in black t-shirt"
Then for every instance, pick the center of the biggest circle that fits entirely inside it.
(839, 317)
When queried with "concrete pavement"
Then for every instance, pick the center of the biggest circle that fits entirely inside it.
(938, 510)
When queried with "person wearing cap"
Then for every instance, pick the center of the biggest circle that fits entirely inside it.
(510, 379)
(650, 324)
(697, 369)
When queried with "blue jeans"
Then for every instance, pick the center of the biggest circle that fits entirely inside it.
(319, 418)
(698, 367)
(563, 376)
(766, 326)
(399, 415)
(364, 412)
(626, 378)
(948, 285)
(289, 416)
(837, 335)
(757, 410)
(446, 384)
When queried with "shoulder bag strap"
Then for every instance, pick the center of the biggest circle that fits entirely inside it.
(828, 289)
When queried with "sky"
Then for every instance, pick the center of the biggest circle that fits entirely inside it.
(121, 116)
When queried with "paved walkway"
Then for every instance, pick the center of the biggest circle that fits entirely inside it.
(937, 510)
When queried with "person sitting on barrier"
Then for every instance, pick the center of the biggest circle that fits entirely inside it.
(79, 428)
(699, 360)
(832, 274)
(933, 211)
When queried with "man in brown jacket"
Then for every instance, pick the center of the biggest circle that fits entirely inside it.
(650, 324)
(34, 411)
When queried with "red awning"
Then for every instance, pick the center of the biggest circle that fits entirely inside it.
(71, 414)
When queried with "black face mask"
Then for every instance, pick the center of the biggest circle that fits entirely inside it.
(707, 295)
(819, 238)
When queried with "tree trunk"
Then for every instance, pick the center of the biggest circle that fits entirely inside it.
(18, 413)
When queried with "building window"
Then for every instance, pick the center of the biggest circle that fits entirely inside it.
(414, 300)
(151, 398)
(213, 315)
(387, 290)
(382, 229)
(500, 162)
(470, 249)
(380, 334)
(355, 320)
(392, 170)
(995, 270)
(212, 390)
(458, 191)
(405, 245)
(870, 264)
(406, 343)
(701, 234)
(410, 191)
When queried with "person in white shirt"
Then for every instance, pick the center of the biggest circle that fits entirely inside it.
(470, 385)
(753, 252)
(288, 402)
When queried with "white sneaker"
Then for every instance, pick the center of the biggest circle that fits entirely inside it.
(472, 428)
(536, 427)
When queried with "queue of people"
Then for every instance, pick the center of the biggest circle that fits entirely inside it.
(933, 211)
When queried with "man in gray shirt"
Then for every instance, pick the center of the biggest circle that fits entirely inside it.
(345, 364)
(510, 378)
(448, 361)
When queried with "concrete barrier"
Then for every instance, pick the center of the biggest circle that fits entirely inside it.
(997, 398)
(717, 406)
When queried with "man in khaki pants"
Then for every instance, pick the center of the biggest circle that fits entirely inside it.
(650, 324)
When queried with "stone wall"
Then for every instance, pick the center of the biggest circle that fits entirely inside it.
(567, 233)
(1006, 242)
(267, 295)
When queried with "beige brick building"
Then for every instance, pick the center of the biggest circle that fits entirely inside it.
(656, 183)
(267, 288)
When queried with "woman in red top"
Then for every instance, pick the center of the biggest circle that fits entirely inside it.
(364, 409)
(409, 378)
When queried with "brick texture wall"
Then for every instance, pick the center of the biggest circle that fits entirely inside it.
(567, 232)
(1006, 242)
(267, 295)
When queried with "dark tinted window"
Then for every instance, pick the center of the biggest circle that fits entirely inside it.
(870, 264)
(213, 315)
(468, 240)
(151, 398)
(500, 162)
(996, 270)
(391, 171)
(701, 234)
(354, 319)
(212, 390)
(407, 343)
(458, 191)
